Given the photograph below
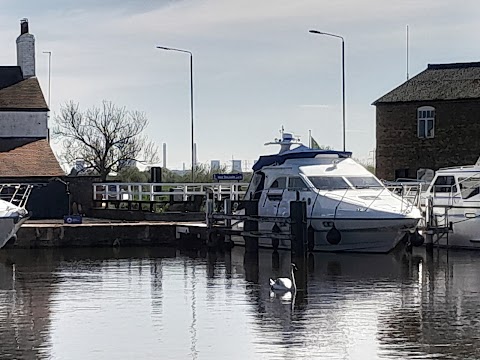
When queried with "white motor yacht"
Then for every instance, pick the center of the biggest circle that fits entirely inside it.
(452, 204)
(348, 208)
(11, 219)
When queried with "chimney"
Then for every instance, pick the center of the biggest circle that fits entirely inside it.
(26, 50)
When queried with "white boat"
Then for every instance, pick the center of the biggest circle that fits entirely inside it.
(452, 203)
(348, 208)
(11, 219)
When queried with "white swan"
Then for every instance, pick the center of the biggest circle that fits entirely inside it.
(284, 284)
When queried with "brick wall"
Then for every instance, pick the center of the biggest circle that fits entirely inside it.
(456, 141)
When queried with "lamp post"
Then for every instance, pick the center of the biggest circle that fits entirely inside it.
(191, 100)
(343, 74)
(49, 74)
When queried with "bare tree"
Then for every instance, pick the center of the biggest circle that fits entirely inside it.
(106, 138)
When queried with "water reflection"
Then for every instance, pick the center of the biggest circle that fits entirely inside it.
(139, 303)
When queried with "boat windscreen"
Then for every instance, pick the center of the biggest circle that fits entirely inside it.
(364, 182)
(329, 182)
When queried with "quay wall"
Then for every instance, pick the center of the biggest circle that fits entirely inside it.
(48, 235)
(135, 215)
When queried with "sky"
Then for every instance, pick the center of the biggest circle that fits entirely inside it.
(256, 67)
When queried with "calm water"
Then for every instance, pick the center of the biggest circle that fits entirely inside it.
(164, 304)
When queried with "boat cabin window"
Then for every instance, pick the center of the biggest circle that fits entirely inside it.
(256, 186)
(469, 186)
(297, 183)
(279, 183)
(364, 182)
(329, 182)
(444, 184)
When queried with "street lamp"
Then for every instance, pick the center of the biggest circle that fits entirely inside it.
(343, 74)
(191, 99)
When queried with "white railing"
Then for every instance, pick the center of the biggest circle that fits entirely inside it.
(17, 194)
(410, 192)
(155, 191)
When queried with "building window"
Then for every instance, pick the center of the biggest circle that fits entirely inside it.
(426, 122)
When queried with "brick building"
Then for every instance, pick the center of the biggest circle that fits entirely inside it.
(430, 121)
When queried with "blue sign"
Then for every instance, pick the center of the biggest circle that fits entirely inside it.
(72, 219)
(220, 177)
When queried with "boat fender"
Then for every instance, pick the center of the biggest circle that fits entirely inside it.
(276, 229)
(213, 237)
(416, 239)
(311, 238)
(333, 236)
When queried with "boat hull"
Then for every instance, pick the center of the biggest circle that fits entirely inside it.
(356, 235)
(464, 233)
(9, 227)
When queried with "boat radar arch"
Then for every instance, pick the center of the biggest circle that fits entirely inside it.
(285, 142)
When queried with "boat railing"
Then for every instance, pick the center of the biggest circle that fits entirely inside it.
(412, 193)
(17, 194)
(156, 191)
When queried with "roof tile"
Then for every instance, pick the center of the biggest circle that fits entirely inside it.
(23, 157)
(439, 82)
(23, 95)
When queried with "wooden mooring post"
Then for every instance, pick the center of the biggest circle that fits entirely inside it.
(251, 209)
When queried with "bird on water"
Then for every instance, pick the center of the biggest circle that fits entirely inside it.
(285, 284)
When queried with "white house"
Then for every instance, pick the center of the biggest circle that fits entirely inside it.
(25, 151)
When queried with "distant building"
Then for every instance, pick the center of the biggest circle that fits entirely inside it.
(237, 166)
(215, 165)
(79, 165)
(128, 163)
(430, 121)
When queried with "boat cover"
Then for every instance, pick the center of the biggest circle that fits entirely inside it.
(301, 152)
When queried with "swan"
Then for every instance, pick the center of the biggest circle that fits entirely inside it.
(284, 284)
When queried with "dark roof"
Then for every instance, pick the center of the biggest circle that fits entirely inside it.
(23, 95)
(10, 75)
(24, 157)
(439, 82)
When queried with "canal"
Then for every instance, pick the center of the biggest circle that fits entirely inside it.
(161, 303)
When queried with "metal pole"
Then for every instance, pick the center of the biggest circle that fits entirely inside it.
(343, 75)
(191, 112)
(49, 74)
(343, 90)
(191, 100)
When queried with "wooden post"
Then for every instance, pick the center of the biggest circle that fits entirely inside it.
(227, 209)
(298, 217)
(429, 240)
(251, 209)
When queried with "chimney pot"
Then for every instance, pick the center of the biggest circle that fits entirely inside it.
(23, 26)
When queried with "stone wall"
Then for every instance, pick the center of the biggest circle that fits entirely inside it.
(456, 141)
(81, 193)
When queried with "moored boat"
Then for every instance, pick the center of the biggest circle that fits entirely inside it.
(348, 208)
(11, 219)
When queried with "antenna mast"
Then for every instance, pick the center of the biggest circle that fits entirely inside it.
(407, 52)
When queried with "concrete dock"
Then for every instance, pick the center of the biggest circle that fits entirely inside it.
(107, 233)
